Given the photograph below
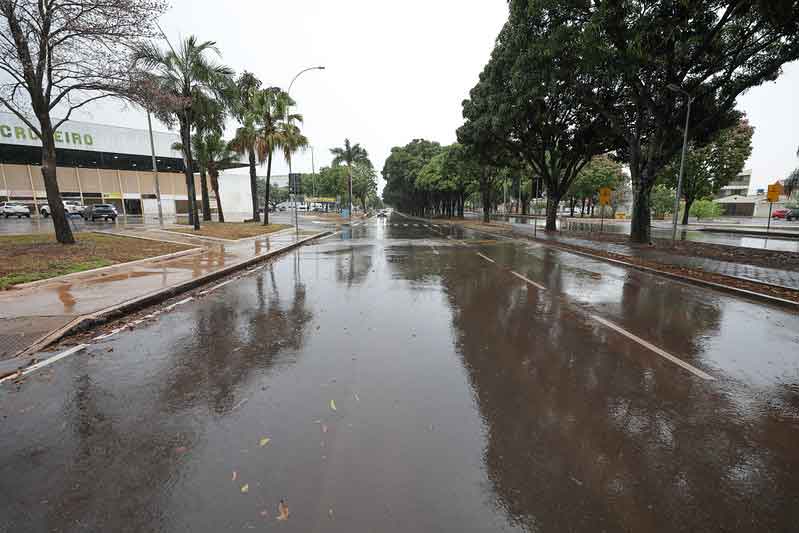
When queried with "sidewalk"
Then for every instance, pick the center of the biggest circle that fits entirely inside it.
(29, 314)
(772, 276)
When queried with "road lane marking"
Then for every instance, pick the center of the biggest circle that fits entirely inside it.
(46, 362)
(531, 282)
(174, 305)
(331, 235)
(677, 361)
(215, 287)
(485, 257)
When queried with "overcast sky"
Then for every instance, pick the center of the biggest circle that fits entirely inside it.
(396, 71)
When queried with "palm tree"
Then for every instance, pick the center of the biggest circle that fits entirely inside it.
(243, 106)
(350, 154)
(271, 106)
(220, 155)
(183, 78)
(209, 119)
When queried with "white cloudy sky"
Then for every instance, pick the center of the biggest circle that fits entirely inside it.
(396, 71)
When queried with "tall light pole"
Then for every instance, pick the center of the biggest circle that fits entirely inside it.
(288, 107)
(676, 89)
(155, 170)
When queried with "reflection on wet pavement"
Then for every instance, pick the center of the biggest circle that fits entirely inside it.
(465, 400)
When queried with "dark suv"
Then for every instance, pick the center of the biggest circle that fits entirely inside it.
(793, 214)
(95, 211)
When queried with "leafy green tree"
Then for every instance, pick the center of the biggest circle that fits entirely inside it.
(526, 106)
(791, 183)
(350, 154)
(711, 166)
(600, 172)
(186, 76)
(704, 208)
(243, 105)
(661, 201)
(364, 182)
(400, 171)
(633, 51)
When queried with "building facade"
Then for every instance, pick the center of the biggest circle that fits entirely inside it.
(96, 164)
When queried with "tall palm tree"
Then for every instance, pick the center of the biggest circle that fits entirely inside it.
(350, 154)
(182, 78)
(243, 106)
(220, 155)
(271, 105)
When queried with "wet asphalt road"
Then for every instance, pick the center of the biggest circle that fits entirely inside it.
(466, 399)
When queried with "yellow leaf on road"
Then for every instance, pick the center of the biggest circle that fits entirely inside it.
(283, 511)
(333, 405)
(245, 488)
(265, 441)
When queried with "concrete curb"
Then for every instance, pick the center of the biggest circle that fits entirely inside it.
(754, 233)
(99, 317)
(694, 281)
(220, 239)
(66, 277)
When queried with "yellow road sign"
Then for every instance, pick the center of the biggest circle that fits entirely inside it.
(774, 192)
(604, 195)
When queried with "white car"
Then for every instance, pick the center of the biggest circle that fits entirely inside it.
(71, 207)
(14, 209)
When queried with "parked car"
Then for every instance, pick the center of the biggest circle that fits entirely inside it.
(103, 211)
(71, 207)
(793, 214)
(780, 212)
(15, 209)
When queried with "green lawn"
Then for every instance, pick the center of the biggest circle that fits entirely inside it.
(35, 257)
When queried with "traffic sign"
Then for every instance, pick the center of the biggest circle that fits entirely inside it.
(774, 192)
(604, 195)
(295, 183)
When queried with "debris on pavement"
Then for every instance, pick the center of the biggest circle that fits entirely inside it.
(282, 510)
(264, 441)
(333, 405)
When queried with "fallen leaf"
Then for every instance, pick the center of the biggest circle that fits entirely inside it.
(245, 488)
(235, 476)
(181, 449)
(283, 511)
(264, 513)
(265, 441)
(357, 399)
(330, 513)
(333, 405)
(324, 428)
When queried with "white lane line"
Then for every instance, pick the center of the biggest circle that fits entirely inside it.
(528, 280)
(215, 287)
(109, 334)
(485, 257)
(331, 235)
(46, 362)
(174, 305)
(677, 361)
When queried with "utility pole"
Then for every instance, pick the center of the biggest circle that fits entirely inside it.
(674, 88)
(155, 171)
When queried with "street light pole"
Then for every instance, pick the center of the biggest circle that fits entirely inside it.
(155, 170)
(288, 108)
(674, 88)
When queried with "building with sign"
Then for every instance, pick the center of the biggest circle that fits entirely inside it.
(101, 164)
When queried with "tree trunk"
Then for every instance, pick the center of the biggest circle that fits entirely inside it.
(349, 190)
(582, 209)
(254, 189)
(688, 203)
(641, 222)
(188, 170)
(573, 202)
(63, 233)
(206, 198)
(552, 211)
(267, 191)
(486, 202)
(215, 186)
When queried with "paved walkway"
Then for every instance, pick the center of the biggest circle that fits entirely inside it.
(774, 276)
(28, 314)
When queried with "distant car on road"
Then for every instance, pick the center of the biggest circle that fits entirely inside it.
(781, 212)
(14, 209)
(71, 207)
(382, 214)
(793, 214)
(103, 211)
